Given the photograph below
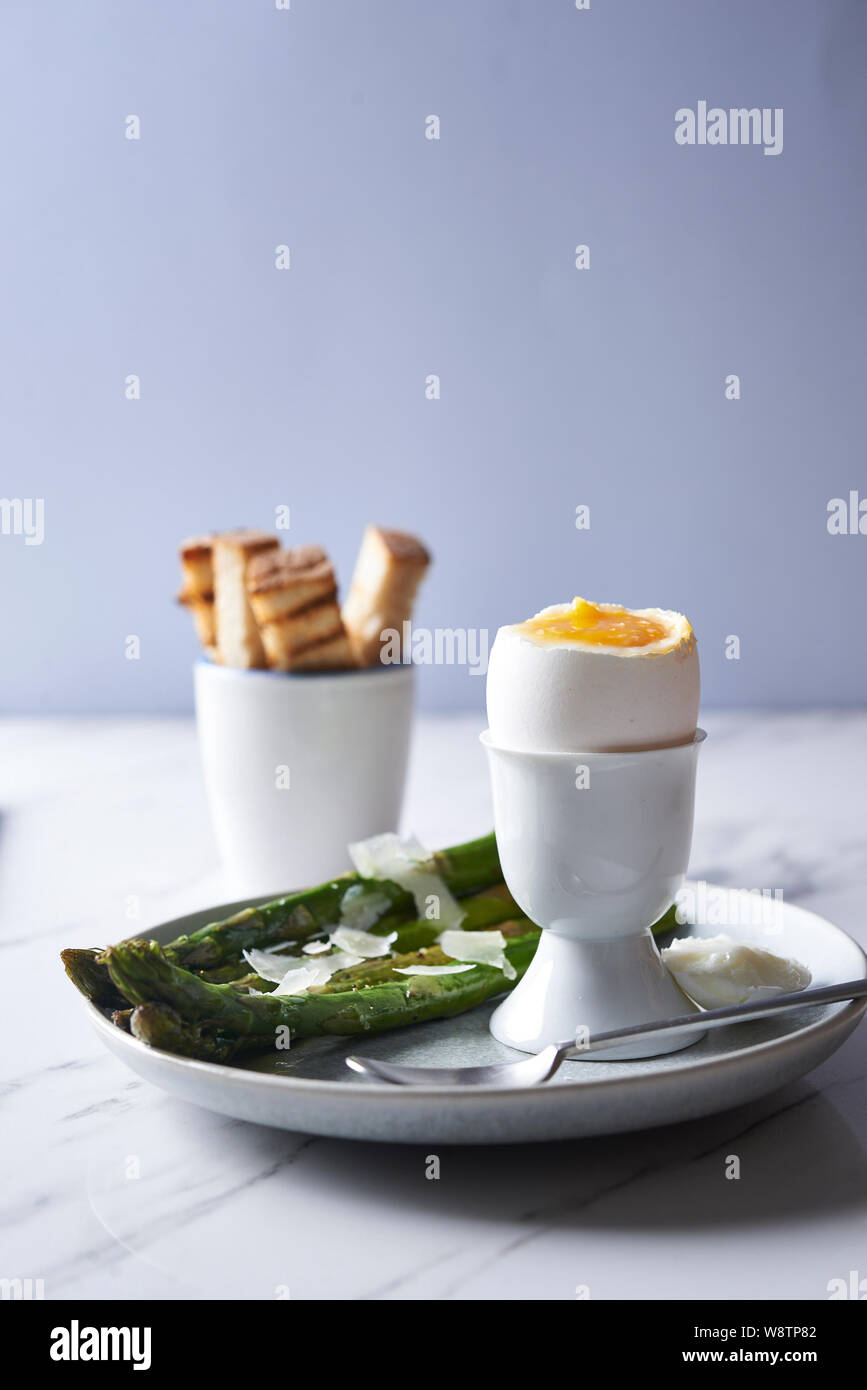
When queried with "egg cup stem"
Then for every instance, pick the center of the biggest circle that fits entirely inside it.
(576, 988)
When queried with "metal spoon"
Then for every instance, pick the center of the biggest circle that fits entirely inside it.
(542, 1065)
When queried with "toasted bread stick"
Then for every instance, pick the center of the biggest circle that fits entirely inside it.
(238, 639)
(388, 572)
(197, 591)
(327, 654)
(293, 594)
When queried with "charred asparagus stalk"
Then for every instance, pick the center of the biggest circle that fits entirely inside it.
(486, 909)
(378, 968)
(465, 869)
(416, 945)
(160, 1026)
(143, 975)
(90, 977)
(372, 972)
(218, 946)
(194, 1018)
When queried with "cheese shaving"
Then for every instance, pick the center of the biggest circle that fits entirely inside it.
(295, 976)
(362, 906)
(431, 969)
(298, 981)
(407, 863)
(362, 943)
(480, 947)
(269, 966)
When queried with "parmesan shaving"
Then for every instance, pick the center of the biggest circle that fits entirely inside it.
(298, 981)
(431, 969)
(407, 863)
(480, 947)
(362, 943)
(296, 975)
(362, 906)
(269, 966)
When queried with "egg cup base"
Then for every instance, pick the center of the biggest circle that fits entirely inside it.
(576, 988)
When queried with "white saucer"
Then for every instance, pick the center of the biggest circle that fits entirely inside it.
(310, 1089)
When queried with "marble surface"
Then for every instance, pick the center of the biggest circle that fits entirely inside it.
(111, 1189)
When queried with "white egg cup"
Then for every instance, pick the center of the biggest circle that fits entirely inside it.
(593, 847)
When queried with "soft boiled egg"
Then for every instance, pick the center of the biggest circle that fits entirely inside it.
(594, 677)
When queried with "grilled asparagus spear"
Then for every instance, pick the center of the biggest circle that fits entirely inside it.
(90, 977)
(182, 1013)
(218, 946)
(486, 909)
(465, 869)
(143, 975)
(160, 1026)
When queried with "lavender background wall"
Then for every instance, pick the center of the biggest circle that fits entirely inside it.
(409, 257)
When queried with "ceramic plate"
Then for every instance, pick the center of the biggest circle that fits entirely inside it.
(310, 1088)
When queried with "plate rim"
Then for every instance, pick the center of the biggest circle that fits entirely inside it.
(843, 1018)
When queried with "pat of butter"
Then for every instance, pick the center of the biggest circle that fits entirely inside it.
(718, 970)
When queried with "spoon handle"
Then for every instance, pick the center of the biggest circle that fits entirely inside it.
(717, 1018)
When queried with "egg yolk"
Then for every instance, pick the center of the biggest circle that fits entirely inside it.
(595, 627)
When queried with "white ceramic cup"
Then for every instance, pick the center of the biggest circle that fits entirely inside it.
(297, 766)
(594, 847)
